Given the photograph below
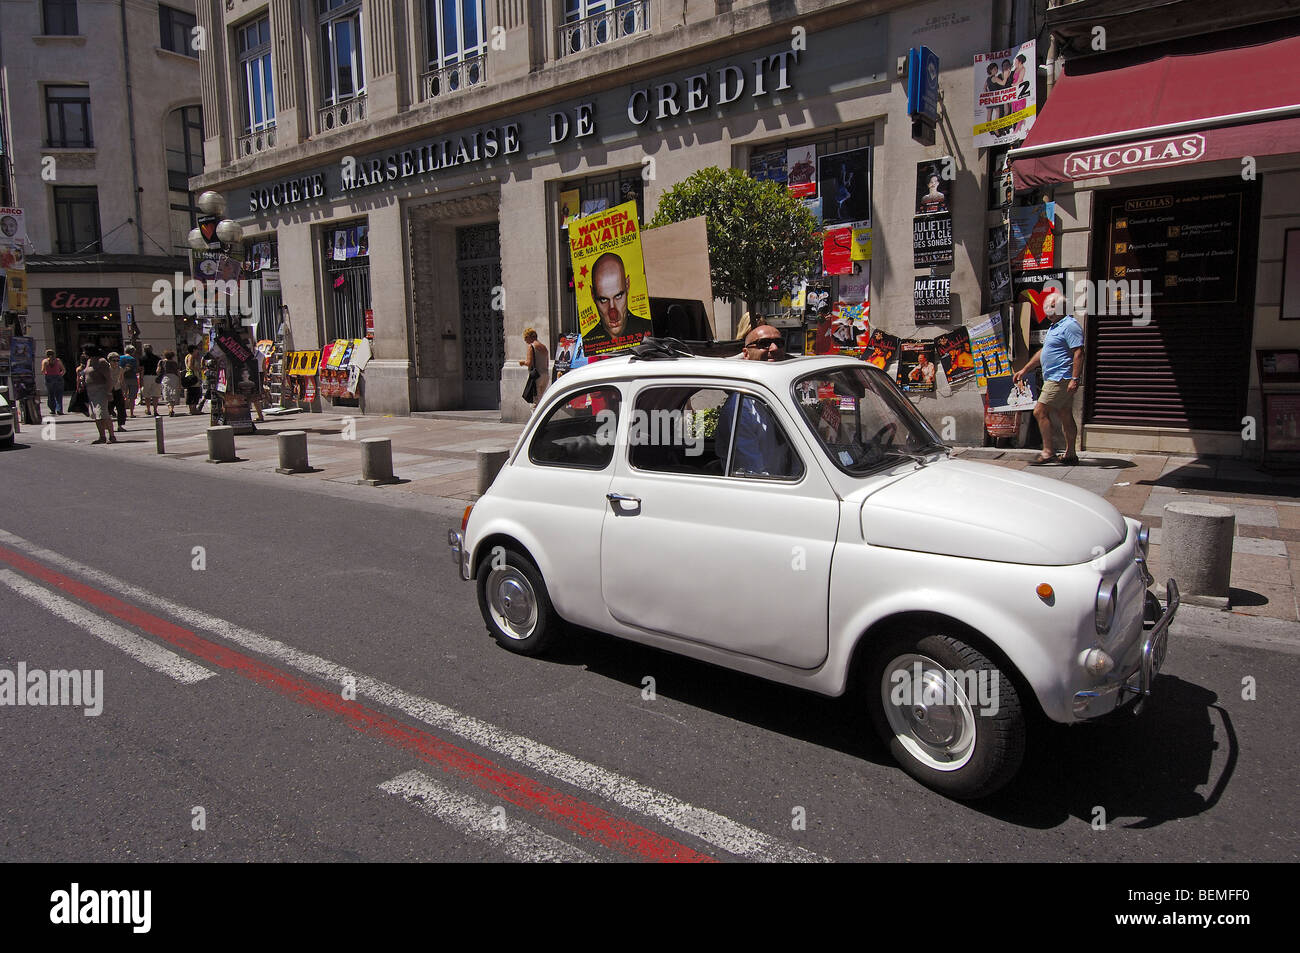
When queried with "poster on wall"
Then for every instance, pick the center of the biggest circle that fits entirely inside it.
(1282, 416)
(768, 167)
(1006, 395)
(931, 240)
(1005, 95)
(801, 171)
(881, 350)
(837, 251)
(990, 355)
(1031, 291)
(933, 191)
(955, 356)
(609, 281)
(570, 206)
(845, 186)
(932, 300)
(916, 366)
(1032, 241)
(852, 309)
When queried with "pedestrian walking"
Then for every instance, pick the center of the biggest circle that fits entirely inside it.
(130, 377)
(537, 363)
(191, 381)
(169, 381)
(99, 383)
(118, 397)
(1061, 358)
(149, 389)
(54, 371)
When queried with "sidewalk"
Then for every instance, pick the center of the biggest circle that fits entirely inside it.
(434, 456)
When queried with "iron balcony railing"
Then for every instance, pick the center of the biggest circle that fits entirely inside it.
(342, 113)
(471, 71)
(604, 27)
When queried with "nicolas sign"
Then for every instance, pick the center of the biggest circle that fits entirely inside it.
(1132, 156)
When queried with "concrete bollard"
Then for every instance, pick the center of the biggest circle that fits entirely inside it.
(1196, 540)
(377, 461)
(293, 451)
(490, 463)
(158, 434)
(221, 444)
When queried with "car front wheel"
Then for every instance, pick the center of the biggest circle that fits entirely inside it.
(950, 716)
(515, 605)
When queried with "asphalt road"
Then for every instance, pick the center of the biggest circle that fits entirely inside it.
(452, 749)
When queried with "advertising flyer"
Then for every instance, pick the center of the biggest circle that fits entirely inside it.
(769, 167)
(1031, 290)
(609, 280)
(932, 240)
(991, 357)
(882, 349)
(570, 203)
(932, 300)
(1005, 395)
(837, 251)
(852, 309)
(933, 191)
(1005, 95)
(1033, 242)
(801, 171)
(916, 366)
(954, 352)
(845, 186)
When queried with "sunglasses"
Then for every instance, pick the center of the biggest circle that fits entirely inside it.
(767, 342)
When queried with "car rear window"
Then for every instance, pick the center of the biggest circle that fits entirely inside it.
(579, 432)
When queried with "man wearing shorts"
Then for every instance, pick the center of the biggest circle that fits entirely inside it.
(1062, 361)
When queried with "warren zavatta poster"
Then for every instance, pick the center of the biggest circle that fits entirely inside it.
(953, 348)
(1005, 95)
(1031, 289)
(881, 350)
(933, 191)
(801, 171)
(916, 366)
(932, 240)
(845, 186)
(932, 300)
(609, 280)
(1033, 244)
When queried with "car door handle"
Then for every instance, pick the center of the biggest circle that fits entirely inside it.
(616, 498)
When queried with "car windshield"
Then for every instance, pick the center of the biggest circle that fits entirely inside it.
(862, 421)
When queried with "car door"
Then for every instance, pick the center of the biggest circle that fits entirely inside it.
(703, 549)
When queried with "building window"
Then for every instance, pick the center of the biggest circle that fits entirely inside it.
(67, 111)
(342, 70)
(255, 70)
(59, 17)
(184, 142)
(175, 28)
(589, 23)
(76, 219)
(455, 30)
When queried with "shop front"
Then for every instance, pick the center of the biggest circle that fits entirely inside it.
(1176, 205)
(82, 317)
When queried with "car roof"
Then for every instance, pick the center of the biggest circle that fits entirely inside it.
(775, 374)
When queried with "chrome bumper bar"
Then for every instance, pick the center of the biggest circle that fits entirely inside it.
(460, 555)
(1155, 644)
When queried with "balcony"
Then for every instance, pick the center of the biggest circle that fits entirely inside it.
(601, 28)
(259, 140)
(441, 80)
(343, 113)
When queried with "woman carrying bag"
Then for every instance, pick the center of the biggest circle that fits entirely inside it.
(537, 362)
(169, 379)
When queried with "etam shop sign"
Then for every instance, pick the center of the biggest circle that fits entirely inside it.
(1131, 157)
(80, 300)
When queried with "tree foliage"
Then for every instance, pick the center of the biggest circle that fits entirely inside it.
(760, 236)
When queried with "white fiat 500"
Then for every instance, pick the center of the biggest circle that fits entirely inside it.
(802, 522)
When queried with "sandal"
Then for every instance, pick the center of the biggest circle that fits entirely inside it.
(1043, 460)
(1070, 460)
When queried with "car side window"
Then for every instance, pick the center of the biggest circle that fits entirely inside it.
(673, 430)
(579, 432)
(751, 437)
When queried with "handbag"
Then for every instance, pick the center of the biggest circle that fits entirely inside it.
(530, 388)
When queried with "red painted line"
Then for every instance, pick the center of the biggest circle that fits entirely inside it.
(584, 819)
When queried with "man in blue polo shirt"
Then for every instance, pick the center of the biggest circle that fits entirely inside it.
(1062, 361)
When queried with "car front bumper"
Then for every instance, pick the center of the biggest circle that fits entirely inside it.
(456, 540)
(1121, 687)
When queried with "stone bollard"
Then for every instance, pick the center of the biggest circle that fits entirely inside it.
(490, 463)
(293, 451)
(376, 461)
(1196, 540)
(221, 444)
(158, 435)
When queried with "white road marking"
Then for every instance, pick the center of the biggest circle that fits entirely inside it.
(142, 650)
(709, 826)
(474, 818)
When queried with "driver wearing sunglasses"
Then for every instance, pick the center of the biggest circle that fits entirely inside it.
(760, 451)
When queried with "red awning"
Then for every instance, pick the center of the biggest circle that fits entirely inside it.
(1172, 110)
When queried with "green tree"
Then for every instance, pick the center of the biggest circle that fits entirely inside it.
(760, 236)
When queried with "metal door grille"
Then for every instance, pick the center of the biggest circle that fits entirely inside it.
(478, 271)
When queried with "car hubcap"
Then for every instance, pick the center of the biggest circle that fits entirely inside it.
(513, 602)
(928, 712)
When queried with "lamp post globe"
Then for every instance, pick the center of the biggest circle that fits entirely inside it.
(229, 232)
(196, 240)
(211, 203)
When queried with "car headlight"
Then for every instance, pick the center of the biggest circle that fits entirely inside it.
(1107, 593)
(1144, 539)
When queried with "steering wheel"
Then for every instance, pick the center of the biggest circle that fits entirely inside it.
(888, 430)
